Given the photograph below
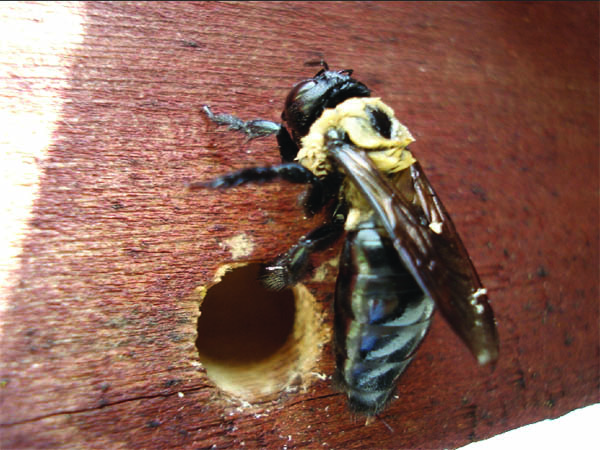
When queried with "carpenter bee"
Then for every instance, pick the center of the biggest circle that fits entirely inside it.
(402, 255)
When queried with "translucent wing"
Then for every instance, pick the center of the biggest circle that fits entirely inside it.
(428, 244)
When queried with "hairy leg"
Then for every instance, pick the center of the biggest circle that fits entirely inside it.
(321, 190)
(290, 267)
(258, 128)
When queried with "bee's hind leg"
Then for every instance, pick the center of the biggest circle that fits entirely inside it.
(290, 267)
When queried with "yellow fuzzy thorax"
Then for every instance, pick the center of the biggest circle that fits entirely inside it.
(389, 155)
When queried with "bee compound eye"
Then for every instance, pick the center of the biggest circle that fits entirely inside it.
(255, 343)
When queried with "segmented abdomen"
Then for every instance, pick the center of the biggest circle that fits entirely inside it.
(381, 317)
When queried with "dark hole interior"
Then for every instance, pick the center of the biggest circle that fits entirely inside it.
(241, 322)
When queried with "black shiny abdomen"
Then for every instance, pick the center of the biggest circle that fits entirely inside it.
(381, 317)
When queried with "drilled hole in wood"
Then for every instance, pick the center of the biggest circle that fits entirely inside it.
(254, 342)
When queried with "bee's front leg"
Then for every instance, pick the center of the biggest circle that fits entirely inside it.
(258, 128)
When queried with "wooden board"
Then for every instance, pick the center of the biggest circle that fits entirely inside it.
(104, 250)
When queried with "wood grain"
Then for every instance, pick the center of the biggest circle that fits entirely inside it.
(102, 128)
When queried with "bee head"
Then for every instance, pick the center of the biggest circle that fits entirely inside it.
(308, 99)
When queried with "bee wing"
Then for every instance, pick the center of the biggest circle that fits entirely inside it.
(428, 244)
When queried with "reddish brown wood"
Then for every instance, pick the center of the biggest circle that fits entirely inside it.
(98, 323)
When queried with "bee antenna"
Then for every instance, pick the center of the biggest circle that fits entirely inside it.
(321, 62)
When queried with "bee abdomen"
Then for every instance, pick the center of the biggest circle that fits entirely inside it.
(381, 317)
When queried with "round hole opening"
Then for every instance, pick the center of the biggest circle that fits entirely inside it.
(241, 322)
(248, 336)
